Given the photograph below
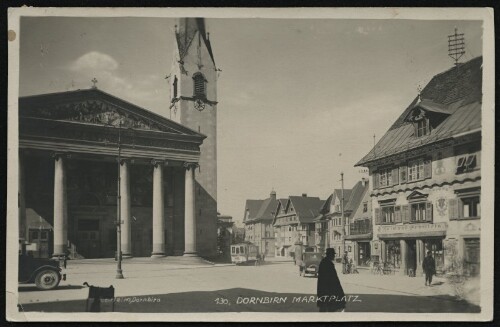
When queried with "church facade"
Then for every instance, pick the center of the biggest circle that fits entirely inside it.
(87, 157)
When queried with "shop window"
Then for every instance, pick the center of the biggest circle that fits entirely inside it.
(393, 253)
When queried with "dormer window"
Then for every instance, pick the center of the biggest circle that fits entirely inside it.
(200, 90)
(422, 127)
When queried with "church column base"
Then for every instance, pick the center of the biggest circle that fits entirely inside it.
(157, 255)
(190, 254)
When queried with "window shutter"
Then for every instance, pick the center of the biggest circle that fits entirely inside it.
(453, 209)
(395, 176)
(428, 212)
(377, 216)
(405, 211)
(375, 180)
(427, 168)
(403, 171)
(397, 214)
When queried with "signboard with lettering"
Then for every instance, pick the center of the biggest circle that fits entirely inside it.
(413, 230)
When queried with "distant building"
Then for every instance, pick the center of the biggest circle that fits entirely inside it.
(294, 223)
(224, 235)
(258, 219)
(426, 177)
(360, 231)
(330, 221)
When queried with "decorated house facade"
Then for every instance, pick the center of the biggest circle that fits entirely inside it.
(294, 224)
(426, 177)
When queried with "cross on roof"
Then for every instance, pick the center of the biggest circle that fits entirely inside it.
(94, 82)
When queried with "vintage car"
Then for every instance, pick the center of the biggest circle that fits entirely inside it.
(309, 263)
(45, 273)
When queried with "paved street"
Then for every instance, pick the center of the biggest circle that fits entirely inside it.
(176, 285)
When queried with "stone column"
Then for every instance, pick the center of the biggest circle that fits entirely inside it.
(420, 257)
(126, 235)
(60, 215)
(158, 211)
(189, 212)
(404, 256)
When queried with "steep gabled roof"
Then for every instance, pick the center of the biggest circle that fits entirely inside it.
(455, 93)
(253, 207)
(307, 208)
(358, 191)
(267, 209)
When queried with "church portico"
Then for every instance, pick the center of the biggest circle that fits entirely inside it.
(71, 170)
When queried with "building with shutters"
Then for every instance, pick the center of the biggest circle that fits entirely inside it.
(426, 177)
(294, 224)
(258, 222)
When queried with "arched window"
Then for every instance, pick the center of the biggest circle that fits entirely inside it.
(199, 85)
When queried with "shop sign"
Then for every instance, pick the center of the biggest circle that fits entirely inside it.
(413, 228)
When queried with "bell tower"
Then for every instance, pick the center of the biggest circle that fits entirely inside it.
(193, 103)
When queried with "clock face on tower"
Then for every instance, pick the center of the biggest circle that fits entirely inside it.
(199, 105)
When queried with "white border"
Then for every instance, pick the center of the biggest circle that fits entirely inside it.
(488, 147)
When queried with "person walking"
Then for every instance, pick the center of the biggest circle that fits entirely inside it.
(331, 297)
(429, 266)
(345, 262)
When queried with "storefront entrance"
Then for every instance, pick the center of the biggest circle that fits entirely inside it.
(436, 247)
(411, 257)
(364, 254)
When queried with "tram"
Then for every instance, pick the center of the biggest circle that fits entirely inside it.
(242, 253)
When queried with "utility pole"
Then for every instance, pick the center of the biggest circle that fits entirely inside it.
(119, 272)
(342, 210)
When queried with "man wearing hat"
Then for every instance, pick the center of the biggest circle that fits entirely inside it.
(429, 266)
(331, 297)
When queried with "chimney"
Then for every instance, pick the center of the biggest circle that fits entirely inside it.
(273, 195)
(304, 195)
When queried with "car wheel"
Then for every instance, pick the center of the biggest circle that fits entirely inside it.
(47, 279)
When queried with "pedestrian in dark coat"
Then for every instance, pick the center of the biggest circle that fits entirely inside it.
(331, 296)
(429, 266)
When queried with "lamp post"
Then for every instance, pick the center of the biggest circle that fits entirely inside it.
(119, 272)
(342, 210)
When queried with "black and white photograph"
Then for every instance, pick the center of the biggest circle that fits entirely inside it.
(197, 164)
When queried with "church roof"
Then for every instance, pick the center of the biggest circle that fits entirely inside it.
(186, 32)
(96, 107)
(455, 94)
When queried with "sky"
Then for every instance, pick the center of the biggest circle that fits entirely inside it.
(299, 99)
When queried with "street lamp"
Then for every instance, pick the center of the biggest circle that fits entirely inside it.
(342, 210)
(119, 272)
